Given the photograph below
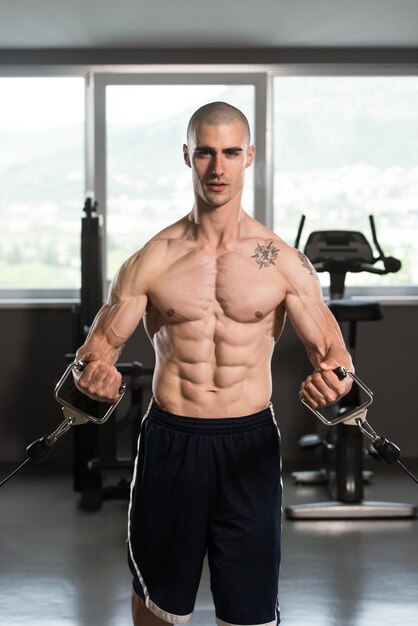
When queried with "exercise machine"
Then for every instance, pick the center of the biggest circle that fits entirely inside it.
(341, 252)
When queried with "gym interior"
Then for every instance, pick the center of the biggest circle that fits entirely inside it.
(331, 92)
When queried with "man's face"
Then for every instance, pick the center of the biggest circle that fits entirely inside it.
(218, 156)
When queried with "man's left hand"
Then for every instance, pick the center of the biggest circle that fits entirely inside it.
(323, 387)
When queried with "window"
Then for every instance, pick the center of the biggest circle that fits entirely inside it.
(335, 148)
(345, 147)
(41, 181)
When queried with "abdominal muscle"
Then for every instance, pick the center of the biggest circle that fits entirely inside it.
(213, 367)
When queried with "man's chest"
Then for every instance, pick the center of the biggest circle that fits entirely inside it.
(235, 284)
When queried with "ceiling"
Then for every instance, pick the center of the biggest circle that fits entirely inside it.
(66, 24)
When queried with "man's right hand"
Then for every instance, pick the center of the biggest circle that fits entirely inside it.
(98, 380)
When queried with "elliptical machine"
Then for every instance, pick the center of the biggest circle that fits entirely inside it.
(339, 252)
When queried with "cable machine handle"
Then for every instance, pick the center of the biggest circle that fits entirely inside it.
(358, 413)
(387, 450)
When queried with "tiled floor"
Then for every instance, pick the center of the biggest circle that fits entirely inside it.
(64, 567)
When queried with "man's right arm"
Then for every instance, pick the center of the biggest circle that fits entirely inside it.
(111, 328)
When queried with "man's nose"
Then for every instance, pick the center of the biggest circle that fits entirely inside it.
(217, 166)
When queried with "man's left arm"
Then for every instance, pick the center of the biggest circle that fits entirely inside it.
(318, 330)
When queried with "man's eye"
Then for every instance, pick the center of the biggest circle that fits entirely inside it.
(232, 152)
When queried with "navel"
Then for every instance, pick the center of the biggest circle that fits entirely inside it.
(259, 314)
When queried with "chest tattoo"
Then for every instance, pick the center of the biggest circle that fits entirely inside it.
(265, 255)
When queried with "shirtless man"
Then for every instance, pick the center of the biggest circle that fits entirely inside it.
(214, 290)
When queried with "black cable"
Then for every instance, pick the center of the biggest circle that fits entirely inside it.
(408, 472)
(3, 482)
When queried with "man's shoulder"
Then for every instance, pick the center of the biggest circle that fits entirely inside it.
(264, 236)
(136, 273)
(155, 250)
(161, 239)
(170, 234)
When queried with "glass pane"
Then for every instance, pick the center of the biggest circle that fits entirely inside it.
(345, 148)
(148, 185)
(41, 181)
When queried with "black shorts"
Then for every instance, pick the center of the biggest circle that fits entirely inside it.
(207, 485)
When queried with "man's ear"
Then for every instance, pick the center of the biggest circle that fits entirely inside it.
(250, 156)
(186, 155)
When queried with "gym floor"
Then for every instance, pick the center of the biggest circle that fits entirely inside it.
(65, 567)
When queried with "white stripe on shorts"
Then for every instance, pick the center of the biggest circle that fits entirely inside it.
(220, 622)
(168, 617)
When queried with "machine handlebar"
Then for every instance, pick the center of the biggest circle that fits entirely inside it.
(346, 251)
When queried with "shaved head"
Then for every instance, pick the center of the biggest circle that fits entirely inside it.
(217, 114)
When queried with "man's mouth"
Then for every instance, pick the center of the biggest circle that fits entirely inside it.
(215, 185)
